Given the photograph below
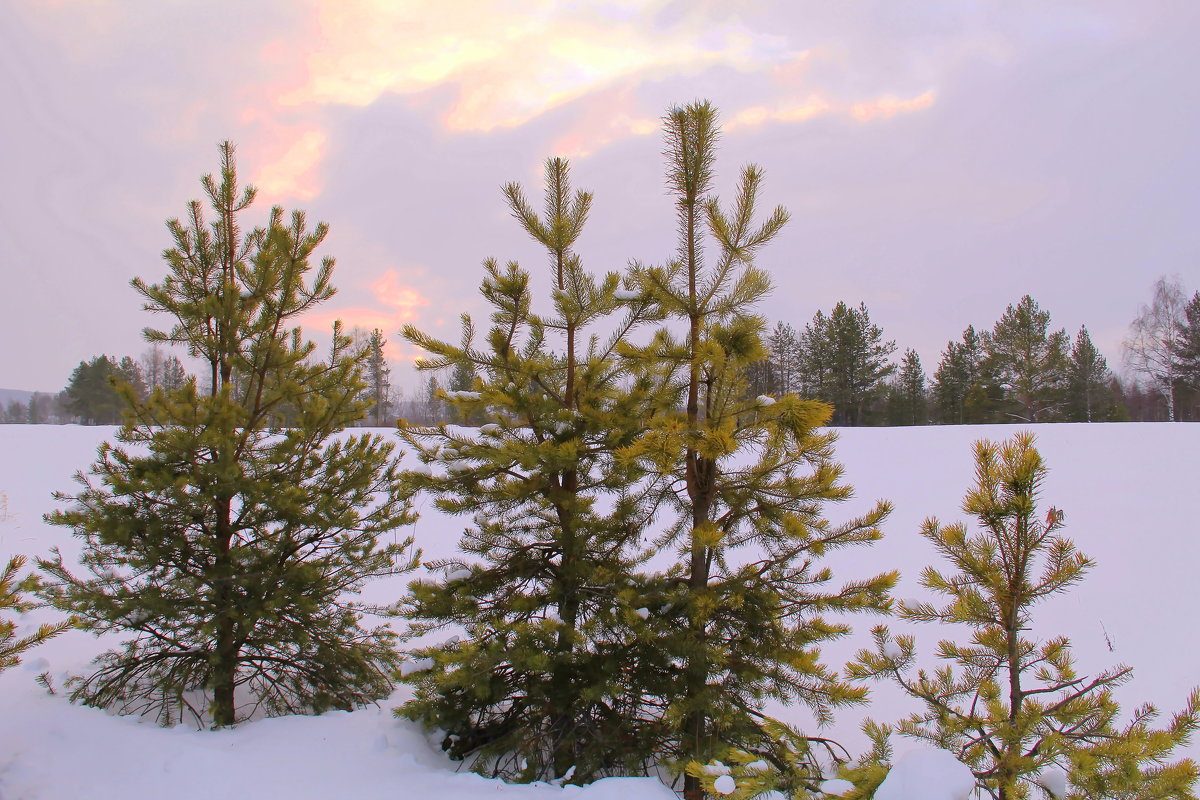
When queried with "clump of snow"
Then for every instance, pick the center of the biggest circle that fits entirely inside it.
(836, 787)
(725, 784)
(418, 665)
(463, 394)
(758, 766)
(626, 294)
(715, 768)
(927, 774)
(893, 650)
(566, 776)
(765, 400)
(1054, 780)
(643, 612)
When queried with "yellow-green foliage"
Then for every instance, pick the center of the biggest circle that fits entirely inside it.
(1012, 708)
(12, 591)
(803, 768)
(743, 483)
(542, 687)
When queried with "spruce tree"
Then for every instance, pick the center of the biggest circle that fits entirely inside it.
(1030, 361)
(1187, 350)
(1089, 398)
(1187, 345)
(91, 392)
(378, 375)
(908, 397)
(847, 357)
(739, 614)
(541, 687)
(1012, 708)
(220, 541)
(963, 384)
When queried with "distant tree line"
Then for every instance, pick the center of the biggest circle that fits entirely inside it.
(1021, 370)
(91, 396)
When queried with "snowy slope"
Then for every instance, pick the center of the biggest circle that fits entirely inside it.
(1126, 490)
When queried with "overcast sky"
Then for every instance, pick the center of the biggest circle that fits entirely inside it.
(939, 159)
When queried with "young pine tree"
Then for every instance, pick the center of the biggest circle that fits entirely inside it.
(1012, 708)
(740, 613)
(220, 543)
(540, 687)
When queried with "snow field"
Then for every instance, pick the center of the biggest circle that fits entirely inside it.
(1126, 490)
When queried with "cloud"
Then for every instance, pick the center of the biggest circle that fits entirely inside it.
(291, 157)
(403, 300)
(889, 105)
(505, 65)
(395, 304)
(818, 104)
(392, 303)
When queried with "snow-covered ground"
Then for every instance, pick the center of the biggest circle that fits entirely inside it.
(1127, 491)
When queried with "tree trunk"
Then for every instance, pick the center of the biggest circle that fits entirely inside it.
(224, 663)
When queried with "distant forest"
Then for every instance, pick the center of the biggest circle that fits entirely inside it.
(1019, 370)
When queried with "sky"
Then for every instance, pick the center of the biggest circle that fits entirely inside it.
(939, 159)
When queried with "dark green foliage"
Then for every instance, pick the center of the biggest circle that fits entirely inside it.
(377, 373)
(219, 541)
(907, 397)
(1029, 362)
(963, 386)
(91, 393)
(844, 362)
(1012, 708)
(1089, 393)
(1187, 345)
(174, 375)
(542, 686)
(1187, 351)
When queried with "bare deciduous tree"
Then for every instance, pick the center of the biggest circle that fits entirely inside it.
(1152, 347)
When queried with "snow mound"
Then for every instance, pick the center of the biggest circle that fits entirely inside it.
(927, 774)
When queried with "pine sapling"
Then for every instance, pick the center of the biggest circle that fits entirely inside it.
(1014, 709)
